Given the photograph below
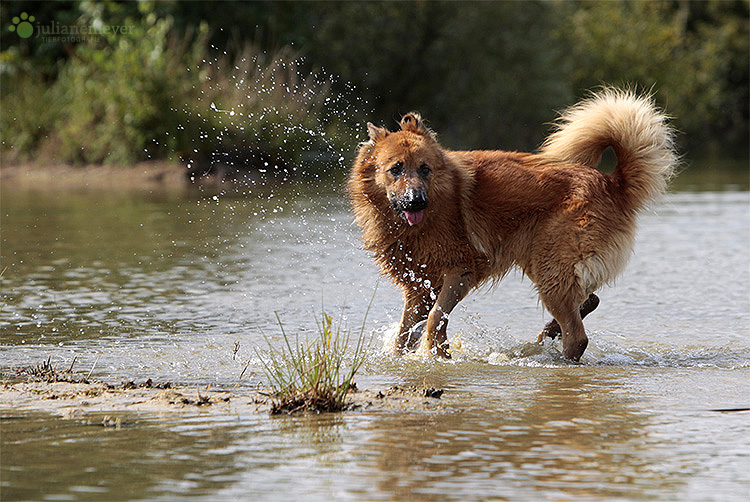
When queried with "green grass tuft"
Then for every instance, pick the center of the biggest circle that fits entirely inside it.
(314, 375)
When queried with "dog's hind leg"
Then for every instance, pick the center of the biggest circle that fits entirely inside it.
(574, 336)
(552, 328)
(564, 307)
(416, 309)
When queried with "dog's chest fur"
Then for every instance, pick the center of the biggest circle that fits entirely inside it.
(412, 256)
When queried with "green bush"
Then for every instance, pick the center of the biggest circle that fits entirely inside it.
(150, 94)
(694, 54)
(117, 98)
(486, 76)
(29, 112)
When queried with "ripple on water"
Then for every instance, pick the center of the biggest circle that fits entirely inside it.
(606, 353)
(502, 349)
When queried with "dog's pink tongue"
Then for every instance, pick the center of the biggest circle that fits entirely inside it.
(414, 217)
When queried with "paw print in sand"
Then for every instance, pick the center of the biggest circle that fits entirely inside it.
(23, 26)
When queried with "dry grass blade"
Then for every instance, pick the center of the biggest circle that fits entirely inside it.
(45, 371)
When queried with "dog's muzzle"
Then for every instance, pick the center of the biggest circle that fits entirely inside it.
(411, 206)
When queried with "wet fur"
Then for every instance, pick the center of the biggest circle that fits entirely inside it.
(568, 226)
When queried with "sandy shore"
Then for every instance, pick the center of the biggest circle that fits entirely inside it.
(159, 175)
(71, 399)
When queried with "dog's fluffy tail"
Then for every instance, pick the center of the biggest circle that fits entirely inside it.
(636, 130)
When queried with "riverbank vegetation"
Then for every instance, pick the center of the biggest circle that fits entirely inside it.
(281, 85)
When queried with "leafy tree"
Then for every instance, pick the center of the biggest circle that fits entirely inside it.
(693, 54)
(485, 74)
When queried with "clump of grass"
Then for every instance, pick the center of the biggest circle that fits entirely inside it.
(314, 375)
(46, 372)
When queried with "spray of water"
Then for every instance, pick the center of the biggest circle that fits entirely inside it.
(255, 116)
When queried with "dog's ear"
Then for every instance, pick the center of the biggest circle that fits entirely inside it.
(413, 122)
(376, 133)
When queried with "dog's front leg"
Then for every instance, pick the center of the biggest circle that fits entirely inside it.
(455, 287)
(416, 307)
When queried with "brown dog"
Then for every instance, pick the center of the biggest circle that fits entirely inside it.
(442, 222)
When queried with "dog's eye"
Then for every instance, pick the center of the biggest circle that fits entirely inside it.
(396, 169)
(424, 170)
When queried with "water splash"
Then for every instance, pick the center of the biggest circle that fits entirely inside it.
(500, 348)
(259, 115)
(602, 352)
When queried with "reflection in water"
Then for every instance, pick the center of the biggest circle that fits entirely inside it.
(509, 434)
(149, 458)
(162, 287)
(560, 435)
(58, 459)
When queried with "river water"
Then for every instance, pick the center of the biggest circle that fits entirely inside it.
(163, 285)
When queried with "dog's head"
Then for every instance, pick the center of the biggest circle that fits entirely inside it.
(406, 163)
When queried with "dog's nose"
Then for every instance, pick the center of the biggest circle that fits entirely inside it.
(414, 200)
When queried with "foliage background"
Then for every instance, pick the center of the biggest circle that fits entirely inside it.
(296, 81)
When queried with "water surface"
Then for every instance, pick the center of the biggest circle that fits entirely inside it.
(163, 285)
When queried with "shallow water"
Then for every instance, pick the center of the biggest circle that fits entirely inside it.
(163, 285)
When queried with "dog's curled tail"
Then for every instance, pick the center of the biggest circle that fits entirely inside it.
(633, 126)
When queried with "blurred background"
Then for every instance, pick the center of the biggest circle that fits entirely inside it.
(280, 84)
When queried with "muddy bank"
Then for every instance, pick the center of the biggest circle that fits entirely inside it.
(152, 175)
(144, 175)
(76, 399)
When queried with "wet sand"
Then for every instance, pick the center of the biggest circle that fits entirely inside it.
(143, 175)
(77, 399)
